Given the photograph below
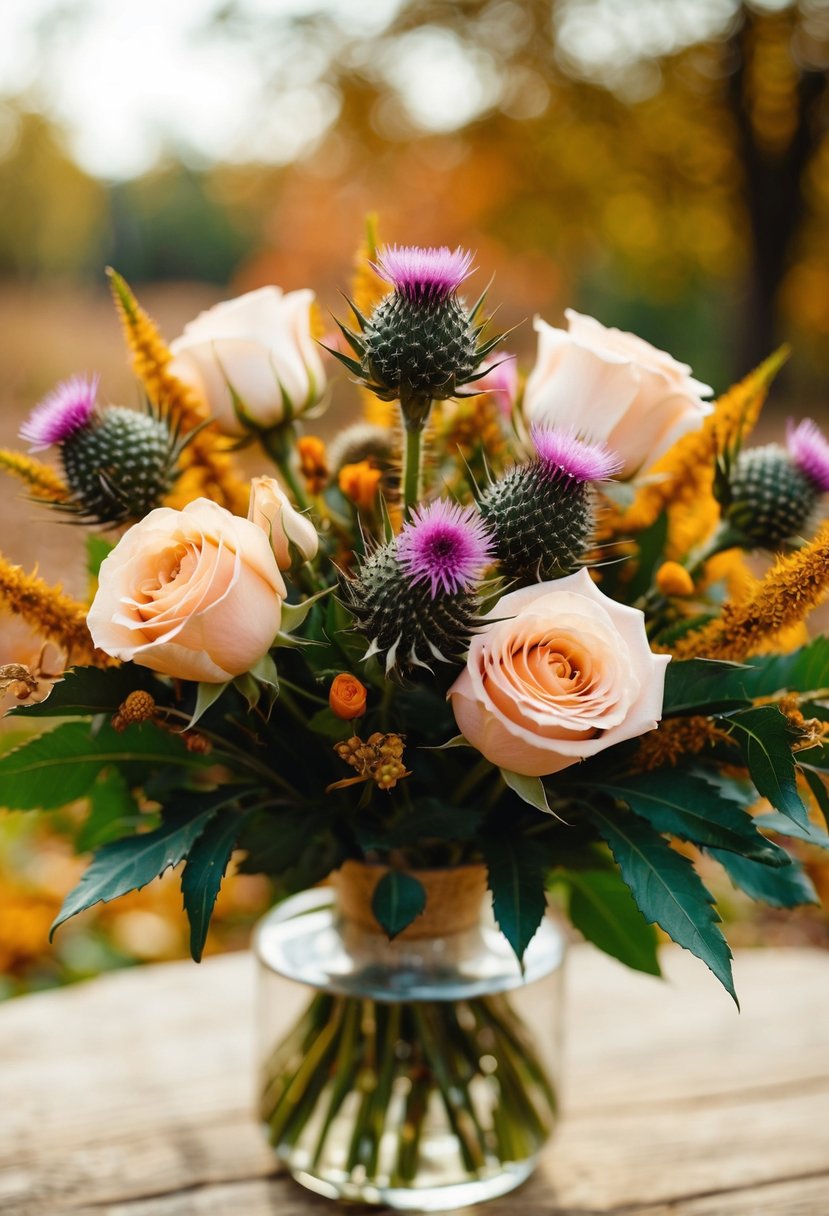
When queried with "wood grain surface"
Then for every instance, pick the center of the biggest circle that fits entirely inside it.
(131, 1095)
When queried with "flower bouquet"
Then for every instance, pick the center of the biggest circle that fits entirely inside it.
(496, 646)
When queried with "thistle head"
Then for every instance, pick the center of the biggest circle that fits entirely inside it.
(419, 344)
(769, 494)
(561, 453)
(445, 545)
(423, 276)
(541, 513)
(69, 408)
(809, 450)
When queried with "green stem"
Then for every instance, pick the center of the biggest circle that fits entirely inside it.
(280, 443)
(411, 469)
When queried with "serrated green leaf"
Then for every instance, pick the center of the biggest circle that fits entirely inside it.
(765, 740)
(202, 875)
(63, 764)
(775, 822)
(129, 864)
(667, 890)
(805, 670)
(398, 899)
(112, 813)
(516, 880)
(274, 839)
(602, 908)
(93, 690)
(695, 810)
(819, 791)
(781, 886)
(710, 685)
(428, 818)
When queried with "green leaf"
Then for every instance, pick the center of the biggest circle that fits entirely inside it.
(531, 790)
(293, 615)
(711, 685)
(113, 812)
(428, 818)
(695, 810)
(129, 864)
(275, 839)
(202, 876)
(325, 722)
(819, 791)
(651, 544)
(782, 887)
(668, 890)
(63, 764)
(805, 670)
(97, 548)
(455, 741)
(516, 879)
(206, 695)
(602, 908)
(93, 690)
(765, 739)
(398, 899)
(775, 822)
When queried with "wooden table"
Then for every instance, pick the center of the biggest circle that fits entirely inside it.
(131, 1096)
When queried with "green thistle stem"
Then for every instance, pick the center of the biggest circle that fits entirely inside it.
(411, 470)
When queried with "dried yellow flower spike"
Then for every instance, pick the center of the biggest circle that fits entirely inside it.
(784, 598)
(50, 611)
(679, 737)
(367, 290)
(42, 480)
(207, 467)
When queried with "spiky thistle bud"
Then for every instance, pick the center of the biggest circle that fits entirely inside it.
(772, 492)
(420, 344)
(415, 597)
(541, 513)
(119, 463)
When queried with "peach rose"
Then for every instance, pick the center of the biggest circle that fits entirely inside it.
(195, 594)
(613, 387)
(561, 673)
(272, 510)
(252, 360)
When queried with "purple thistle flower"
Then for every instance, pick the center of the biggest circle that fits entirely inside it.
(67, 409)
(562, 452)
(446, 545)
(423, 276)
(809, 450)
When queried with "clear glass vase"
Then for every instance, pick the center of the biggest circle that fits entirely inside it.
(419, 1073)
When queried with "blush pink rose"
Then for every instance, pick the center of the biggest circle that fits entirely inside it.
(252, 361)
(561, 673)
(615, 388)
(195, 594)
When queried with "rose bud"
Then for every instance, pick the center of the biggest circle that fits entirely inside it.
(347, 697)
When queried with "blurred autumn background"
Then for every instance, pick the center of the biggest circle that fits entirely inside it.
(661, 164)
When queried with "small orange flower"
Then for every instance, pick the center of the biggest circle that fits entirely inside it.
(347, 697)
(359, 483)
(313, 463)
(674, 580)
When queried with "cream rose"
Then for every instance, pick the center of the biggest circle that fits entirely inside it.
(272, 510)
(613, 387)
(561, 673)
(258, 347)
(195, 594)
